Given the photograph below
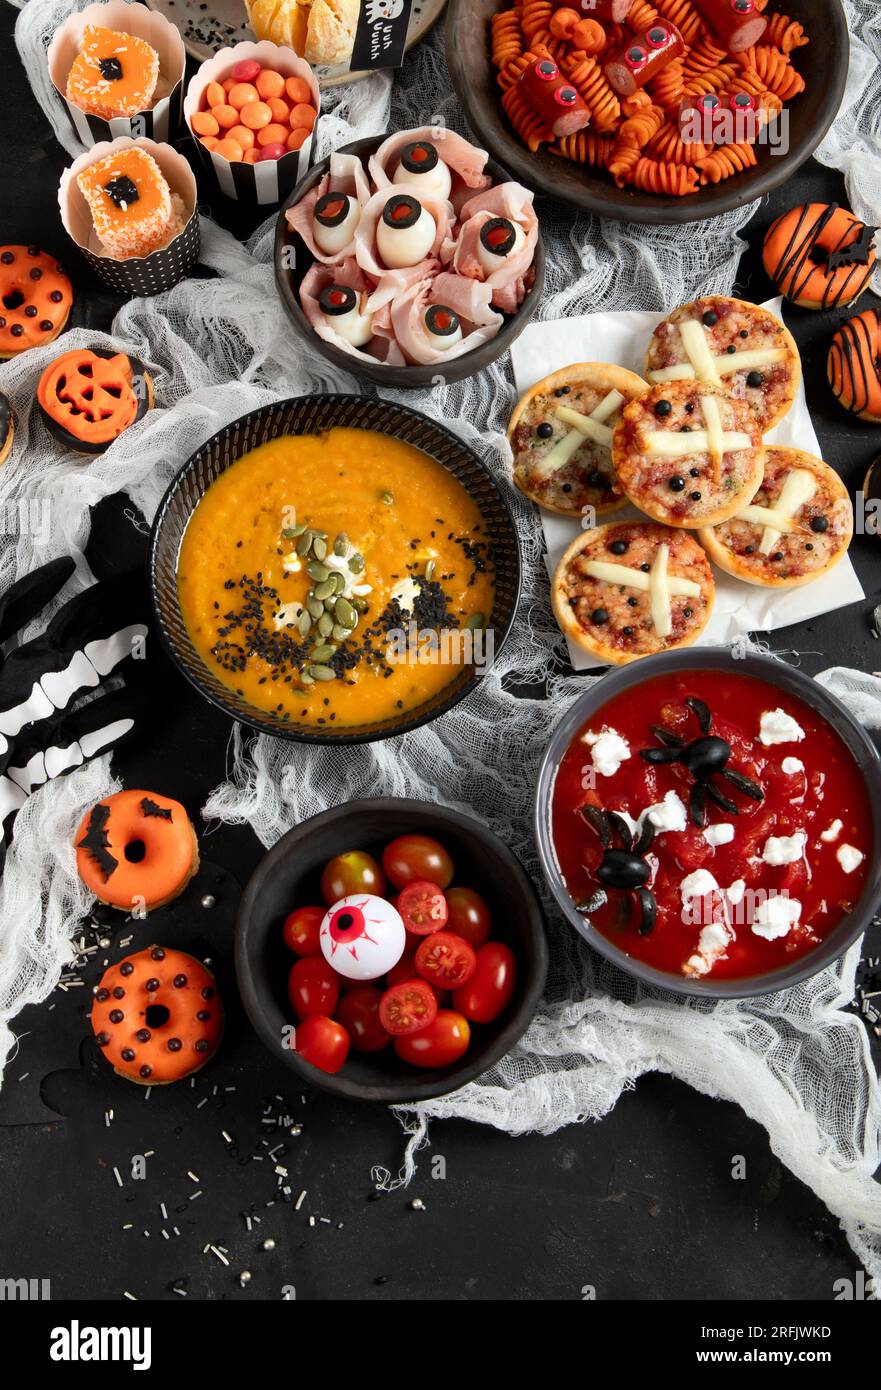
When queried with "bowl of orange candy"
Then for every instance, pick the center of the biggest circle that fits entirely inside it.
(252, 111)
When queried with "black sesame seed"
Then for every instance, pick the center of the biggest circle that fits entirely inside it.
(689, 407)
(203, 1015)
(731, 348)
(685, 429)
(56, 296)
(748, 550)
(744, 332)
(596, 479)
(809, 545)
(207, 992)
(31, 311)
(567, 487)
(7, 258)
(16, 330)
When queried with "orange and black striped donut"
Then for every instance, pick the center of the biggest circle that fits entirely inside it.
(35, 299)
(854, 365)
(136, 849)
(820, 256)
(157, 1016)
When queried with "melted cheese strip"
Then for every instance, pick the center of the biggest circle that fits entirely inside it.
(638, 579)
(659, 592)
(715, 430)
(666, 444)
(590, 426)
(798, 489)
(725, 365)
(694, 340)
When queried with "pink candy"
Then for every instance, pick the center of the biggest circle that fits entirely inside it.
(271, 152)
(246, 71)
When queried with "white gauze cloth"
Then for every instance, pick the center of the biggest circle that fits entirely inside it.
(219, 347)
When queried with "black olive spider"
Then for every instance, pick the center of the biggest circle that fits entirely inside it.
(705, 758)
(623, 868)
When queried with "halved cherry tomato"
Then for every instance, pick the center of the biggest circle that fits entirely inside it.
(468, 916)
(443, 1041)
(490, 988)
(408, 1007)
(413, 857)
(300, 930)
(423, 907)
(313, 987)
(358, 1012)
(323, 1042)
(445, 960)
(351, 872)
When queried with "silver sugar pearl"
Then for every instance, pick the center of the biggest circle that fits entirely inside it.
(208, 900)
(245, 1277)
(268, 1244)
(417, 1204)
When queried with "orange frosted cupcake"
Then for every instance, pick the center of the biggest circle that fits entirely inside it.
(113, 74)
(132, 206)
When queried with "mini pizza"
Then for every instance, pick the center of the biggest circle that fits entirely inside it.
(687, 454)
(730, 343)
(798, 525)
(561, 437)
(631, 589)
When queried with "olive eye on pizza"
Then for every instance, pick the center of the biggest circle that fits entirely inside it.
(561, 435)
(631, 589)
(730, 343)
(798, 525)
(686, 454)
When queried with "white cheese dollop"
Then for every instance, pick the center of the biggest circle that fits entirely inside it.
(608, 750)
(792, 765)
(669, 814)
(849, 858)
(734, 893)
(776, 726)
(775, 916)
(712, 943)
(721, 834)
(698, 884)
(784, 849)
(832, 831)
(406, 591)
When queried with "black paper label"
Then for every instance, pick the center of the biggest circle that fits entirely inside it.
(381, 35)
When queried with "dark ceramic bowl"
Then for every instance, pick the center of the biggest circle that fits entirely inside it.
(288, 281)
(289, 876)
(306, 415)
(792, 681)
(822, 63)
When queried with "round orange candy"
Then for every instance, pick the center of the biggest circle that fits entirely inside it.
(214, 94)
(256, 115)
(203, 123)
(297, 138)
(209, 141)
(281, 111)
(588, 35)
(272, 135)
(298, 90)
(251, 156)
(269, 84)
(563, 22)
(229, 149)
(228, 82)
(225, 116)
(303, 116)
(241, 94)
(242, 136)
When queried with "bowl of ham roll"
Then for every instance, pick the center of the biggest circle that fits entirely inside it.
(407, 257)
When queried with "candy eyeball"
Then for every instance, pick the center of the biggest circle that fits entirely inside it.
(362, 936)
(405, 233)
(422, 166)
(335, 221)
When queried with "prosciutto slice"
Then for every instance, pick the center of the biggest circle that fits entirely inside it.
(408, 323)
(464, 160)
(507, 283)
(346, 175)
(317, 277)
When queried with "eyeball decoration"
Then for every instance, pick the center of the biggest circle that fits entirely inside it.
(499, 239)
(422, 166)
(335, 222)
(405, 233)
(362, 936)
(345, 309)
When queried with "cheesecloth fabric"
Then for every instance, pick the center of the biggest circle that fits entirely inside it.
(796, 1062)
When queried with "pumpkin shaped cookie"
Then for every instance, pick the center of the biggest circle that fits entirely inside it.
(88, 397)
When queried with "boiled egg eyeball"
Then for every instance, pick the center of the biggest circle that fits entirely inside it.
(442, 327)
(344, 311)
(335, 221)
(362, 936)
(499, 239)
(422, 166)
(405, 233)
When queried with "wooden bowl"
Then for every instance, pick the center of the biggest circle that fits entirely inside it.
(288, 281)
(822, 63)
(288, 876)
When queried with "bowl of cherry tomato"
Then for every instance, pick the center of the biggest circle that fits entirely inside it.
(390, 950)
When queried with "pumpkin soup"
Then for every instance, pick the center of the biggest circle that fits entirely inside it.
(336, 578)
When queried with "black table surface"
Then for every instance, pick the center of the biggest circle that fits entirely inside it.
(640, 1206)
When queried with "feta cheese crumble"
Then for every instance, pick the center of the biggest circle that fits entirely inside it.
(721, 834)
(776, 726)
(775, 916)
(698, 884)
(784, 849)
(712, 943)
(792, 765)
(849, 858)
(669, 814)
(608, 750)
(832, 831)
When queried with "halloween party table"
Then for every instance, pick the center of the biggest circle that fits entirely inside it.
(638, 1207)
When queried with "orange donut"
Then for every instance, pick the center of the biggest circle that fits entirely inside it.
(156, 1016)
(854, 365)
(136, 849)
(820, 256)
(36, 298)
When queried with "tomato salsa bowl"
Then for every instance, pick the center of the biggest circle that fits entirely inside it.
(706, 822)
(292, 875)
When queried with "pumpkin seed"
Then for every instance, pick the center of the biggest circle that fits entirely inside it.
(304, 623)
(316, 570)
(322, 673)
(429, 570)
(323, 652)
(341, 544)
(315, 606)
(291, 532)
(339, 633)
(359, 604)
(325, 588)
(344, 613)
(306, 679)
(356, 564)
(325, 625)
(475, 621)
(319, 548)
(339, 582)
(304, 544)
(387, 497)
